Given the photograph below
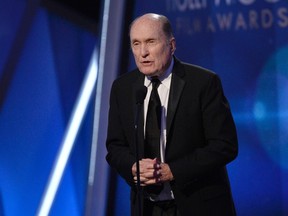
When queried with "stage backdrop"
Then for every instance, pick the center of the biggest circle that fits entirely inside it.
(246, 43)
(43, 61)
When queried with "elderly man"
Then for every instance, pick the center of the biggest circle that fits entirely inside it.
(186, 131)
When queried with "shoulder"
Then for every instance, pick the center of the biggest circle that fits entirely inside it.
(196, 78)
(128, 78)
(193, 72)
(196, 70)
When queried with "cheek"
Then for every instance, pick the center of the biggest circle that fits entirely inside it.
(163, 59)
(136, 53)
(163, 54)
(136, 58)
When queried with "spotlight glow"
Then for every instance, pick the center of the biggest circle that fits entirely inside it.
(70, 136)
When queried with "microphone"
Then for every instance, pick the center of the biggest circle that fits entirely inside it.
(140, 94)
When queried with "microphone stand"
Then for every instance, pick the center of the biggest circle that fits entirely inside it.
(139, 188)
(139, 96)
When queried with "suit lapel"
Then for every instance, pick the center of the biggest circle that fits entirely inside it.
(177, 85)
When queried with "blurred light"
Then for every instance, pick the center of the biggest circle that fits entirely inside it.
(70, 136)
(98, 99)
(259, 110)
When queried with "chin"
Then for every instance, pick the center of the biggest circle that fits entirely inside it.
(148, 73)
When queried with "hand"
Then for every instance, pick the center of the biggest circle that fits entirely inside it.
(152, 172)
(165, 173)
(149, 171)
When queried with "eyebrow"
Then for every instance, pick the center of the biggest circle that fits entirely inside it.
(146, 40)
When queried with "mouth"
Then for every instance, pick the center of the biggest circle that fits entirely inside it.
(146, 63)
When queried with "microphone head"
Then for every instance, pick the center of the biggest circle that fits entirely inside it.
(140, 94)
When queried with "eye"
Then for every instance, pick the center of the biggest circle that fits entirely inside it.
(135, 44)
(151, 42)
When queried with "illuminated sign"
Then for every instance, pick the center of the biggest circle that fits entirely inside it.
(227, 15)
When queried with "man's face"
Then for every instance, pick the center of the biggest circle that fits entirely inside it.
(151, 48)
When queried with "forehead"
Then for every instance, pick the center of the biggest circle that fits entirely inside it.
(146, 28)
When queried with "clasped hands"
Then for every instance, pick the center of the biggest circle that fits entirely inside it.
(152, 171)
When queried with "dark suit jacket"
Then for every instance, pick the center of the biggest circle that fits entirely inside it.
(201, 138)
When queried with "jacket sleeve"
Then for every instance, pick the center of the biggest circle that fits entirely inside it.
(119, 154)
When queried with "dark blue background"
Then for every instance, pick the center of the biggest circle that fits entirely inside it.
(50, 56)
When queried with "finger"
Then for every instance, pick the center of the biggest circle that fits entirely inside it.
(150, 163)
(144, 179)
(147, 160)
(147, 168)
(149, 174)
(157, 174)
(156, 166)
(150, 182)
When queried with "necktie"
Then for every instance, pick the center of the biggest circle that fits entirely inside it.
(153, 130)
(153, 123)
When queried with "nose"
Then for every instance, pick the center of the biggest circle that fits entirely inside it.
(144, 50)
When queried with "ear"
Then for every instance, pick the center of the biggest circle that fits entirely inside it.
(172, 45)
